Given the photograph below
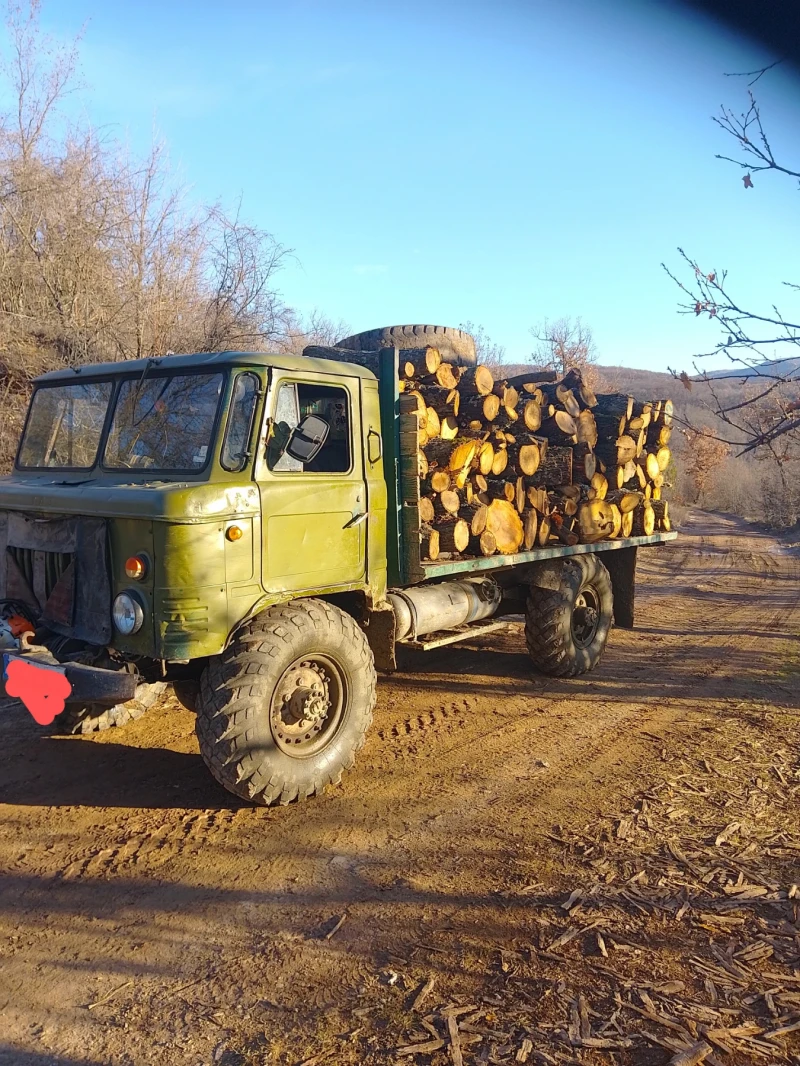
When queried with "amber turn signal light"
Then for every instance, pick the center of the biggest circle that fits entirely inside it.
(234, 532)
(135, 567)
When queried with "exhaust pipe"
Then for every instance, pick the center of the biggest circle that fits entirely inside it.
(430, 608)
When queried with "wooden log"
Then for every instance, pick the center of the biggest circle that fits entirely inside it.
(537, 497)
(475, 514)
(433, 424)
(429, 543)
(555, 468)
(453, 534)
(661, 512)
(614, 403)
(627, 523)
(483, 544)
(476, 379)
(560, 428)
(617, 527)
(561, 398)
(445, 375)
(449, 429)
(649, 462)
(520, 498)
(479, 482)
(626, 473)
(484, 458)
(502, 490)
(666, 412)
(419, 362)
(500, 461)
(422, 464)
(595, 521)
(504, 522)
(447, 503)
(543, 533)
(644, 520)
(599, 486)
(584, 462)
(616, 452)
(530, 413)
(436, 482)
(586, 428)
(532, 377)
(506, 419)
(524, 456)
(530, 526)
(609, 427)
(483, 408)
(663, 457)
(625, 500)
(426, 509)
(444, 401)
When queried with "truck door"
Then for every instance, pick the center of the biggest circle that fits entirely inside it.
(314, 516)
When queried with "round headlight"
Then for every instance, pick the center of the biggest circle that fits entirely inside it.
(127, 614)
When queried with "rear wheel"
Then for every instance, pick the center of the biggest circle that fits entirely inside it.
(566, 629)
(283, 711)
(92, 718)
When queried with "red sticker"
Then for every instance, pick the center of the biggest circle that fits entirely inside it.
(42, 690)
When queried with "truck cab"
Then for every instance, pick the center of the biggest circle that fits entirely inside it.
(153, 507)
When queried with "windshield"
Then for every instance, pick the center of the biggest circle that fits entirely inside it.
(164, 423)
(64, 426)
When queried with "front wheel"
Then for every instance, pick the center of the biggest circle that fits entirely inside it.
(282, 712)
(566, 629)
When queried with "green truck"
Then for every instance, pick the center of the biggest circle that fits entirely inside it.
(234, 524)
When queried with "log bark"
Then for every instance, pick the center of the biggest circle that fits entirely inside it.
(475, 514)
(560, 428)
(453, 534)
(532, 377)
(584, 462)
(477, 379)
(555, 468)
(483, 408)
(614, 403)
(644, 520)
(626, 501)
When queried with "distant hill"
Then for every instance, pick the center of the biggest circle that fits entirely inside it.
(784, 367)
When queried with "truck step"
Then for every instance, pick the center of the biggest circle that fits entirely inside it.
(452, 636)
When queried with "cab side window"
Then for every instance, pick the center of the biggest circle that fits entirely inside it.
(294, 402)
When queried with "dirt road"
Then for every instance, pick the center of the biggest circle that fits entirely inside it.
(147, 917)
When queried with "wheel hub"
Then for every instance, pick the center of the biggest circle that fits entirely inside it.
(585, 617)
(303, 706)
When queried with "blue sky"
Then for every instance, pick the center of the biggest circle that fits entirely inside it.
(437, 162)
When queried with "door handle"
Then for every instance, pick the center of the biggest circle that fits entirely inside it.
(356, 520)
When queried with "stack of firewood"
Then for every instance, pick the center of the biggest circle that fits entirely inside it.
(510, 465)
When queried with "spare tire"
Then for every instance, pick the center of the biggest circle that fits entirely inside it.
(455, 345)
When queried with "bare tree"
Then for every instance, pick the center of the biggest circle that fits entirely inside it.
(762, 345)
(486, 350)
(563, 345)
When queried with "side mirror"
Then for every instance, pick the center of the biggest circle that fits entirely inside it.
(307, 438)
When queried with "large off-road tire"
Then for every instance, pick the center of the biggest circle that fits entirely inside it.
(282, 712)
(94, 719)
(445, 338)
(566, 629)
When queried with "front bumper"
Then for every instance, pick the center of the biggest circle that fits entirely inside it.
(88, 684)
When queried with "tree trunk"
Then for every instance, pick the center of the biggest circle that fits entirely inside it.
(559, 429)
(483, 544)
(644, 520)
(429, 543)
